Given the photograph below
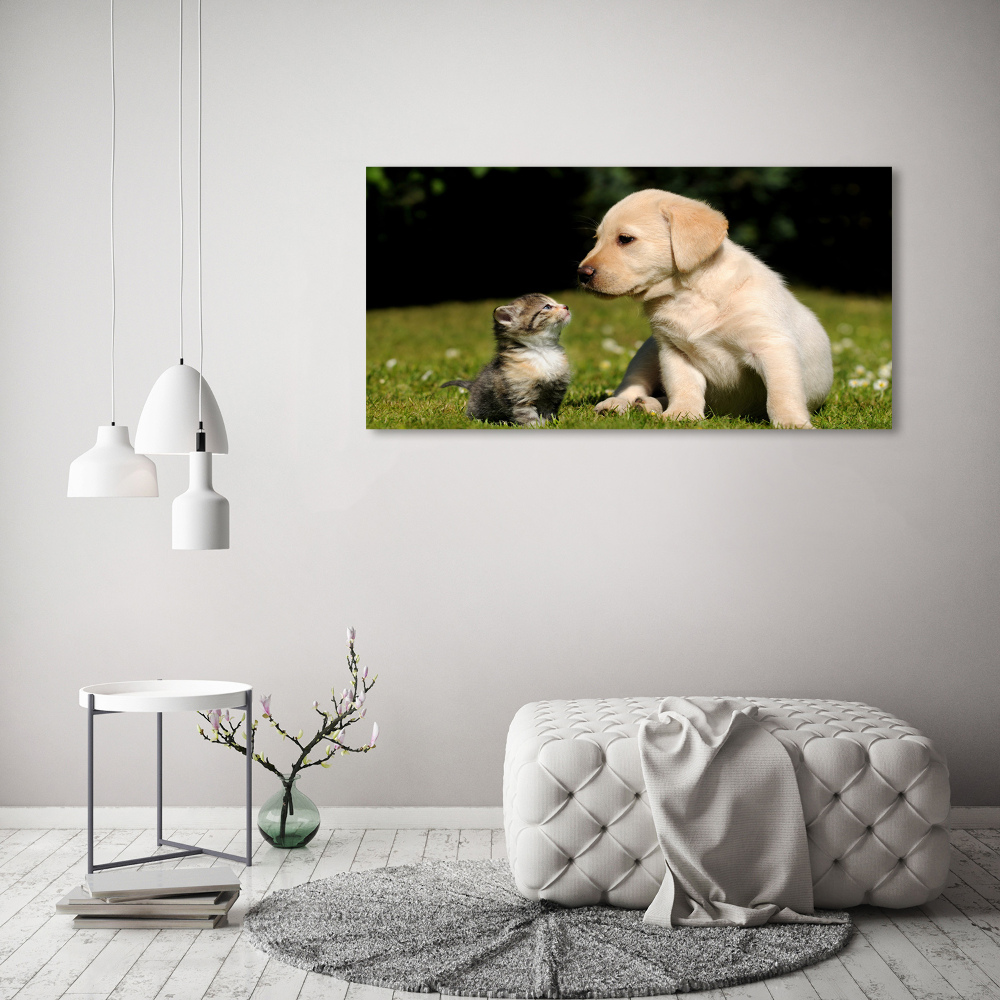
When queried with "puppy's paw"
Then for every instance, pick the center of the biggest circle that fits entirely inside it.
(679, 413)
(613, 404)
(792, 422)
(648, 404)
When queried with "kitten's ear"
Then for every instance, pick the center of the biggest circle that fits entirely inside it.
(696, 230)
(503, 315)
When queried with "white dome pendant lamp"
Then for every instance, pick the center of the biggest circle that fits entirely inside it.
(181, 415)
(111, 468)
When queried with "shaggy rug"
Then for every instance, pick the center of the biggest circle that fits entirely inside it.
(461, 927)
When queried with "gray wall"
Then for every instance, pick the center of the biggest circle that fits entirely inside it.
(481, 570)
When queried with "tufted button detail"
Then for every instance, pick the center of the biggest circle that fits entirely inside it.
(845, 754)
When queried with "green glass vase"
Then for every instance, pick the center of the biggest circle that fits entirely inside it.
(289, 818)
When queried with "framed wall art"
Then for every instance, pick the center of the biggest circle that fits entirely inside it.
(629, 297)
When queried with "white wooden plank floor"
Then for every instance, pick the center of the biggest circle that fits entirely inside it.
(949, 948)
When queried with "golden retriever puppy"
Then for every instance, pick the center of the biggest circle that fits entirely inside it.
(727, 333)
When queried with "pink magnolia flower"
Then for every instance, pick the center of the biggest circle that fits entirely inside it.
(374, 734)
(265, 701)
(214, 717)
(351, 633)
(364, 674)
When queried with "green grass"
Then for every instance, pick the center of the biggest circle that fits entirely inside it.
(412, 351)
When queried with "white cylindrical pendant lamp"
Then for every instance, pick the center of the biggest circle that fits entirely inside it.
(200, 515)
(111, 468)
(169, 420)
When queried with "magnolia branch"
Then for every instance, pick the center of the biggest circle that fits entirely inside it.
(349, 709)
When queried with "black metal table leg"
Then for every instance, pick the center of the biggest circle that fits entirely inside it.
(90, 784)
(159, 778)
(248, 730)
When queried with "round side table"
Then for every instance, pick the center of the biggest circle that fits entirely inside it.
(161, 696)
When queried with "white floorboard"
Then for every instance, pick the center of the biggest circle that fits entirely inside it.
(949, 948)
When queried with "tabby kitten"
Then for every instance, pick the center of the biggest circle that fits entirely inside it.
(528, 376)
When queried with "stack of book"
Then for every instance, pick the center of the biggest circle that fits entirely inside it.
(175, 897)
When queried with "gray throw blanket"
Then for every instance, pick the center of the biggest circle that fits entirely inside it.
(728, 818)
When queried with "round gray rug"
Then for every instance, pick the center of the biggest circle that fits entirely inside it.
(460, 927)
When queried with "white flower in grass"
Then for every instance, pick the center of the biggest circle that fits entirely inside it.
(391, 363)
(381, 381)
(847, 343)
(426, 375)
(605, 364)
(612, 345)
(607, 329)
(462, 388)
(638, 344)
(881, 384)
(845, 328)
(858, 383)
(837, 347)
(859, 371)
(608, 392)
(885, 371)
(452, 352)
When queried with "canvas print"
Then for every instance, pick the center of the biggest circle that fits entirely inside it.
(660, 298)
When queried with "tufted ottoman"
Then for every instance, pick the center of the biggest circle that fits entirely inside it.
(579, 831)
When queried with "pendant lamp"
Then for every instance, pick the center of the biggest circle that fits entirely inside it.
(181, 415)
(111, 468)
(168, 424)
(200, 515)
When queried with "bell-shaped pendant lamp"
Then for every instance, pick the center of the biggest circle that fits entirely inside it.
(111, 468)
(181, 415)
(168, 424)
(200, 515)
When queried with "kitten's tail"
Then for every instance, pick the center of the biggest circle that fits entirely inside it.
(461, 382)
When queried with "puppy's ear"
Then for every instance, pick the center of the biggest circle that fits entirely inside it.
(696, 231)
(503, 316)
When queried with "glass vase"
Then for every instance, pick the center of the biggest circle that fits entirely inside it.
(289, 818)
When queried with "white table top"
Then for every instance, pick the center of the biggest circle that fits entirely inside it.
(165, 695)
